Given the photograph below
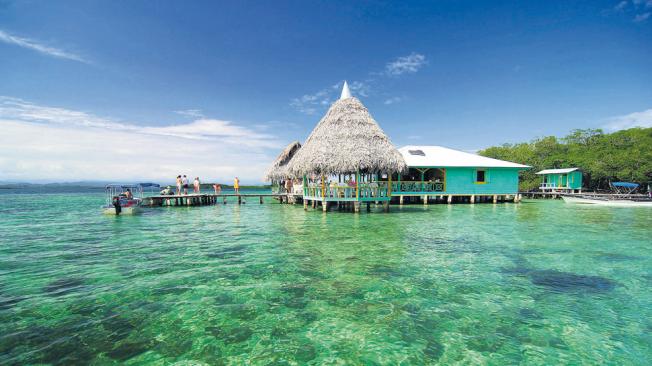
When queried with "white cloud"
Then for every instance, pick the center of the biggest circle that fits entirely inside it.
(311, 103)
(621, 5)
(190, 113)
(636, 119)
(319, 101)
(361, 88)
(48, 143)
(392, 100)
(642, 17)
(406, 64)
(39, 47)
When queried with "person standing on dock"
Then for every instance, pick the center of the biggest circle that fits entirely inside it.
(217, 188)
(196, 185)
(236, 185)
(178, 185)
(288, 186)
(184, 182)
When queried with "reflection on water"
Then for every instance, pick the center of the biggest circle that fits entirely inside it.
(540, 282)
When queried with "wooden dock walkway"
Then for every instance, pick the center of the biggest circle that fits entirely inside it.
(210, 199)
(553, 195)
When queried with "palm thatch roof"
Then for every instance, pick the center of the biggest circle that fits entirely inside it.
(346, 140)
(278, 169)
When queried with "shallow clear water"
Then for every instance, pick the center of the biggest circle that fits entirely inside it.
(539, 282)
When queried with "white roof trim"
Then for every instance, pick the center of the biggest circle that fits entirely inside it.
(438, 156)
(557, 171)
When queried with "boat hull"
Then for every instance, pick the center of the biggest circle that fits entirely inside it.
(605, 201)
(124, 211)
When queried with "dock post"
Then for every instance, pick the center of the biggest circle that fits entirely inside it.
(261, 200)
(239, 199)
(386, 206)
(450, 199)
(425, 200)
(305, 204)
(324, 206)
(400, 200)
(314, 204)
(495, 198)
(356, 206)
(472, 199)
(368, 206)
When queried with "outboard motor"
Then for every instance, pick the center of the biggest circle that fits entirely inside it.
(116, 204)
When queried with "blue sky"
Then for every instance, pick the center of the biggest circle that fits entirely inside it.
(216, 89)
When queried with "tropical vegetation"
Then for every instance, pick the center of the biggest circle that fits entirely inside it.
(624, 155)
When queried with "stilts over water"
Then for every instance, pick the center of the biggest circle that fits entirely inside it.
(348, 161)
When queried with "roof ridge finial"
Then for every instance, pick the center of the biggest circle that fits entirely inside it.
(346, 93)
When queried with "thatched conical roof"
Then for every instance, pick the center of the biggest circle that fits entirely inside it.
(278, 169)
(346, 140)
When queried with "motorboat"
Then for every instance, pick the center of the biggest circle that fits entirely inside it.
(125, 199)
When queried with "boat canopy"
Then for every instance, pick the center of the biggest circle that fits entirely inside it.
(625, 184)
(132, 186)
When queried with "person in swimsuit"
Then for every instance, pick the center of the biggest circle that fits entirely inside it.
(236, 185)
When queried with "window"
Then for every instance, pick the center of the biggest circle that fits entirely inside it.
(417, 152)
(480, 176)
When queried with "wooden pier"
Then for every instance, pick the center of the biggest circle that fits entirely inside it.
(211, 199)
(549, 195)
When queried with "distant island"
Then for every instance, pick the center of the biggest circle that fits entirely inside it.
(71, 187)
(624, 155)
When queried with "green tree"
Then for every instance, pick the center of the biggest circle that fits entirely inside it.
(620, 156)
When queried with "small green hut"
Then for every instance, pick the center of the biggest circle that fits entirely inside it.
(566, 180)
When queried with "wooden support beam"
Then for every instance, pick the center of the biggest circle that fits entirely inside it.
(261, 200)
(450, 199)
(472, 199)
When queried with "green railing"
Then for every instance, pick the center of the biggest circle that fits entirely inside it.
(348, 192)
(417, 186)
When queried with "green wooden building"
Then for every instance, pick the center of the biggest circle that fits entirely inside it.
(566, 180)
(439, 173)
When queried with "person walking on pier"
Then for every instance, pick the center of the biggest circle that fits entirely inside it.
(217, 188)
(178, 185)
(184, 181)
(236, 185)
(196, 185)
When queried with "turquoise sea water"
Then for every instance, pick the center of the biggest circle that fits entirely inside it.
(539, 282)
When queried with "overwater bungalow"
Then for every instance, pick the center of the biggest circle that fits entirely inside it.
(566, 180)
(345, 158)
(439, 173)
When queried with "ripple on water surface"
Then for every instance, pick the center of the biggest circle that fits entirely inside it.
(539, 283)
